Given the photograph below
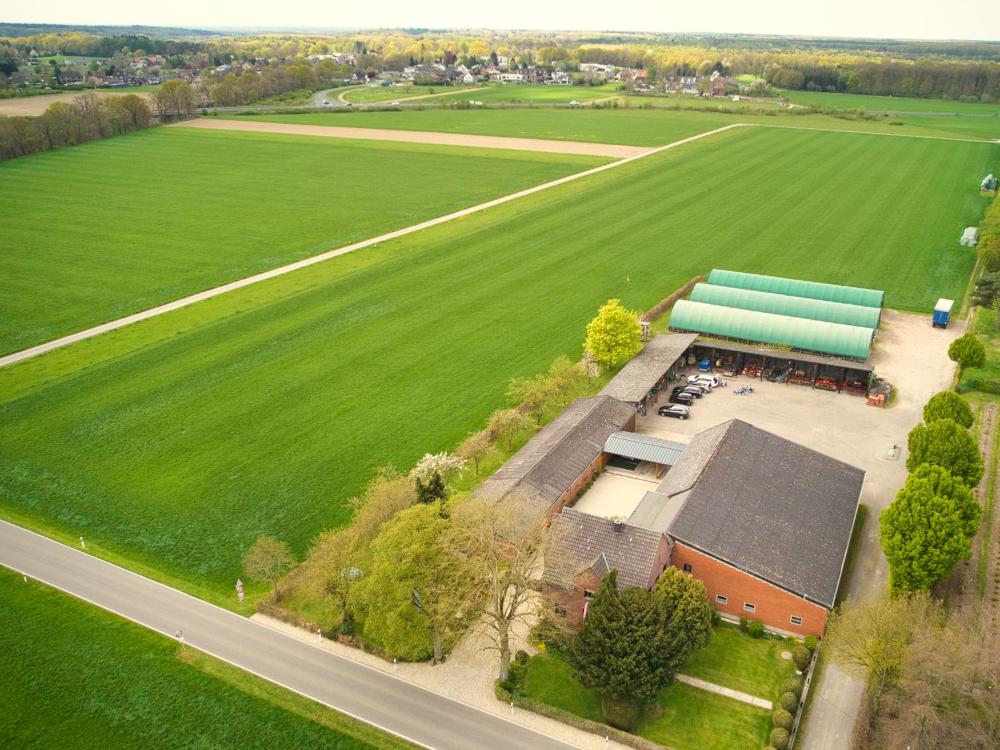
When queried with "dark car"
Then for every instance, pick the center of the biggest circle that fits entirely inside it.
(692, 390)
(681, 397)
(677, 411)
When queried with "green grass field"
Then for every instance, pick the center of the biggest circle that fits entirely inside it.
(176, 442)
(524, 93)
(737, 661)
(147, 218)
(365, 94)
(887, 103)
(634, 125)
(683, 717)
(76, 676)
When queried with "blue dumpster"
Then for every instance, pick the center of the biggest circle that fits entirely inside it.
(942, 312)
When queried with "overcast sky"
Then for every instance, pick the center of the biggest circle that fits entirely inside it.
(901, 19)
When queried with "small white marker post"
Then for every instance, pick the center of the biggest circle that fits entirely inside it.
(25, 578)
(395, 666)
(319, 635)
(512, 708)
(83, 544)
(606, 742)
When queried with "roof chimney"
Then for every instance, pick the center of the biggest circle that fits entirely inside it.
(617, 524)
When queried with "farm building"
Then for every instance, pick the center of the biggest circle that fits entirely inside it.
(783, 304)
(849, 295)
(649, 370)
(784, 330)
(802, 334)
(763, 522)
(550, 468)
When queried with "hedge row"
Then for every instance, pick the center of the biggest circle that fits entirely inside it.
(603, 730)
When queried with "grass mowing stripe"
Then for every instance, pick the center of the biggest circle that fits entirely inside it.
(154, 216)
(78, 676)
(628, 126)
(177, 441)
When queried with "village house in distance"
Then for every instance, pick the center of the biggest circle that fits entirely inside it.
(763, 522)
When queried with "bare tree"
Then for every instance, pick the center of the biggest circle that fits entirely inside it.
(504, 543)
(268, 560)
(475, 448)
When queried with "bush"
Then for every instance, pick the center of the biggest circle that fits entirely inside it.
(789, 701)
(810, 642)
(792, 685)
(948, 405)
(507, 685)
(779, 739)
(782, 719)
(743, 623)
(801, 656)
(755, 629)
(521, 657)
(968, 351)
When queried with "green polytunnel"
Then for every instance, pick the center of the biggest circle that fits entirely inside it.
(780, 330)
(782, 304)
(850, 295)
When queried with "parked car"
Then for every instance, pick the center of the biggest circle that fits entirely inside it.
(712, 381)
(677, 411)
(695, 390)
(680, 397)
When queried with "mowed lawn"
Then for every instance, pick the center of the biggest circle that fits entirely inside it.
(887, 103)
(521, 93)
(176, 442)
(76, 676)
(101, 230)
(645, 122)
(364, 94)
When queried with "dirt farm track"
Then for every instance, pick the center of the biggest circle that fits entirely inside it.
(414, 136)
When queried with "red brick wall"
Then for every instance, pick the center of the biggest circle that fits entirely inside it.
(774, 606)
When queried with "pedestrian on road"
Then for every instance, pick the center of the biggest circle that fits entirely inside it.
(179, 635)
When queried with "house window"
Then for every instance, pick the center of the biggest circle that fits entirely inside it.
(720, 599)
(560, 610)
(588, 594)
(795, 620)
(687, 567)
(749, 607)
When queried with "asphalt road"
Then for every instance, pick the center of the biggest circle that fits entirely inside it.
(420, 716)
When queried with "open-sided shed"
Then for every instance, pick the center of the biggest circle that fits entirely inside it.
(649, 369)
(780, 330)
(850, 295)
(783, 304)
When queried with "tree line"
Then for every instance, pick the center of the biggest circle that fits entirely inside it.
(89, 117)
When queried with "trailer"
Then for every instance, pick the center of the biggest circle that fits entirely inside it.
(942, 313)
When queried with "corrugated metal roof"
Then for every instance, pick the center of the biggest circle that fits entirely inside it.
(750, 325)
(783, 304)
(851, 295)
(641, 373)
(644, 448)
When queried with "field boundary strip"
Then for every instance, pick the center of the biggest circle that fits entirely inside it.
(232, 286)
(425, 137)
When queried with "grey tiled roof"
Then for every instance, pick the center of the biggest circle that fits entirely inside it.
(552, 460)
(634, 380)
(591, 542)
(766, 505)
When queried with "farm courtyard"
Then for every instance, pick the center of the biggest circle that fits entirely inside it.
(174, 443)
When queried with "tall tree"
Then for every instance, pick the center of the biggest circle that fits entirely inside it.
(948, 405)
(945, 443)
(417, 591)
(687, 617)
(618, 652)
(614, 336)
(504, 544)
(475, 447)
(868, 639)
(927, 528)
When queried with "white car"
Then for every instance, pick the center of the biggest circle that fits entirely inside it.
(708, 381)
